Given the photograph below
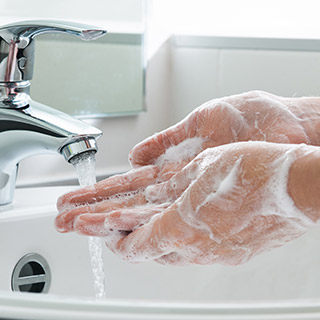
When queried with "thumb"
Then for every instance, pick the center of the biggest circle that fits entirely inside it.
(149, 150)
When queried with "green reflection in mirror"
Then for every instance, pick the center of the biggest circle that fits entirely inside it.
(90, 79)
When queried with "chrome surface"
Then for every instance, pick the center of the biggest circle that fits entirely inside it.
(17, 44)
(77, 147)
(14, 94)
(27, 127)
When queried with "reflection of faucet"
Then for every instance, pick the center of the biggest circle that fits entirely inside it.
(27, 127)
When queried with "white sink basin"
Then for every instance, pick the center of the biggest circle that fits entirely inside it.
(283, 282)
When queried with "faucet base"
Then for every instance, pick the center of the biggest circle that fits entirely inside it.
(7, 185)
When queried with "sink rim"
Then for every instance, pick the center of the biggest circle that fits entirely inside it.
(21, 305)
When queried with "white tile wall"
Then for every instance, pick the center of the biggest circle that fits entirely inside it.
(285, 73)
(201, 74)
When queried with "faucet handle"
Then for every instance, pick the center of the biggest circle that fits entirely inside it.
(17, 45)
(30, 29)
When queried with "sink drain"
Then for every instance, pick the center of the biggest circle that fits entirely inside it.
(31, 274)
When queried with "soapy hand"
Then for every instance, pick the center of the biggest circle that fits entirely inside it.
(123, 205)
(227, 205)
(255, 116)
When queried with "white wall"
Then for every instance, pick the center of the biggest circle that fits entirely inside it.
(244, 18)
(200, 74)
(103, 13)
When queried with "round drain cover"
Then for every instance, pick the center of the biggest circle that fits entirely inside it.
(31, 274)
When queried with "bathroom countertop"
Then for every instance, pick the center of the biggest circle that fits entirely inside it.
(32, 202)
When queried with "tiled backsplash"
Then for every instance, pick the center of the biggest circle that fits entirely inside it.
(204, 70)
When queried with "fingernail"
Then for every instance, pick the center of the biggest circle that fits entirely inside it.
(60, 226)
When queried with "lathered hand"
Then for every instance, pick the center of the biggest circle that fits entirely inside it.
(127, 199)
(227, 205)
(254, 115)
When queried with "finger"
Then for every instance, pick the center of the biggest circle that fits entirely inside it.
(148, 242)
(212, 124)
(130, 219)
(168, 170)
(147, 151)
(120, 201)
(65, 221)
(113, 238)
(92, 225)
(173, 259)
(76, 197)
(173, 188)
(102, 224)
(126, 183)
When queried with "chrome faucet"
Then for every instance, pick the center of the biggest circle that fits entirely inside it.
(27, 127)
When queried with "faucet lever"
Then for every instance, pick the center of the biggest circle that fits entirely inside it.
(17, 45)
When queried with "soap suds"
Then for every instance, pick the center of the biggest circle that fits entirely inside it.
(187, 149)
(227, 183)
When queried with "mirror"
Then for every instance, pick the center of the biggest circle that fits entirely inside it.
(98, 78)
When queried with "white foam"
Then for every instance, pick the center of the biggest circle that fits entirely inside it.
(187, 149)
(228, 182)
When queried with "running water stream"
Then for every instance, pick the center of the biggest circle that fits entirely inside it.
(84, 165)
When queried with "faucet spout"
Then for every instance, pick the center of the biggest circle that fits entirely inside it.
(77, 147)
(37, 129)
